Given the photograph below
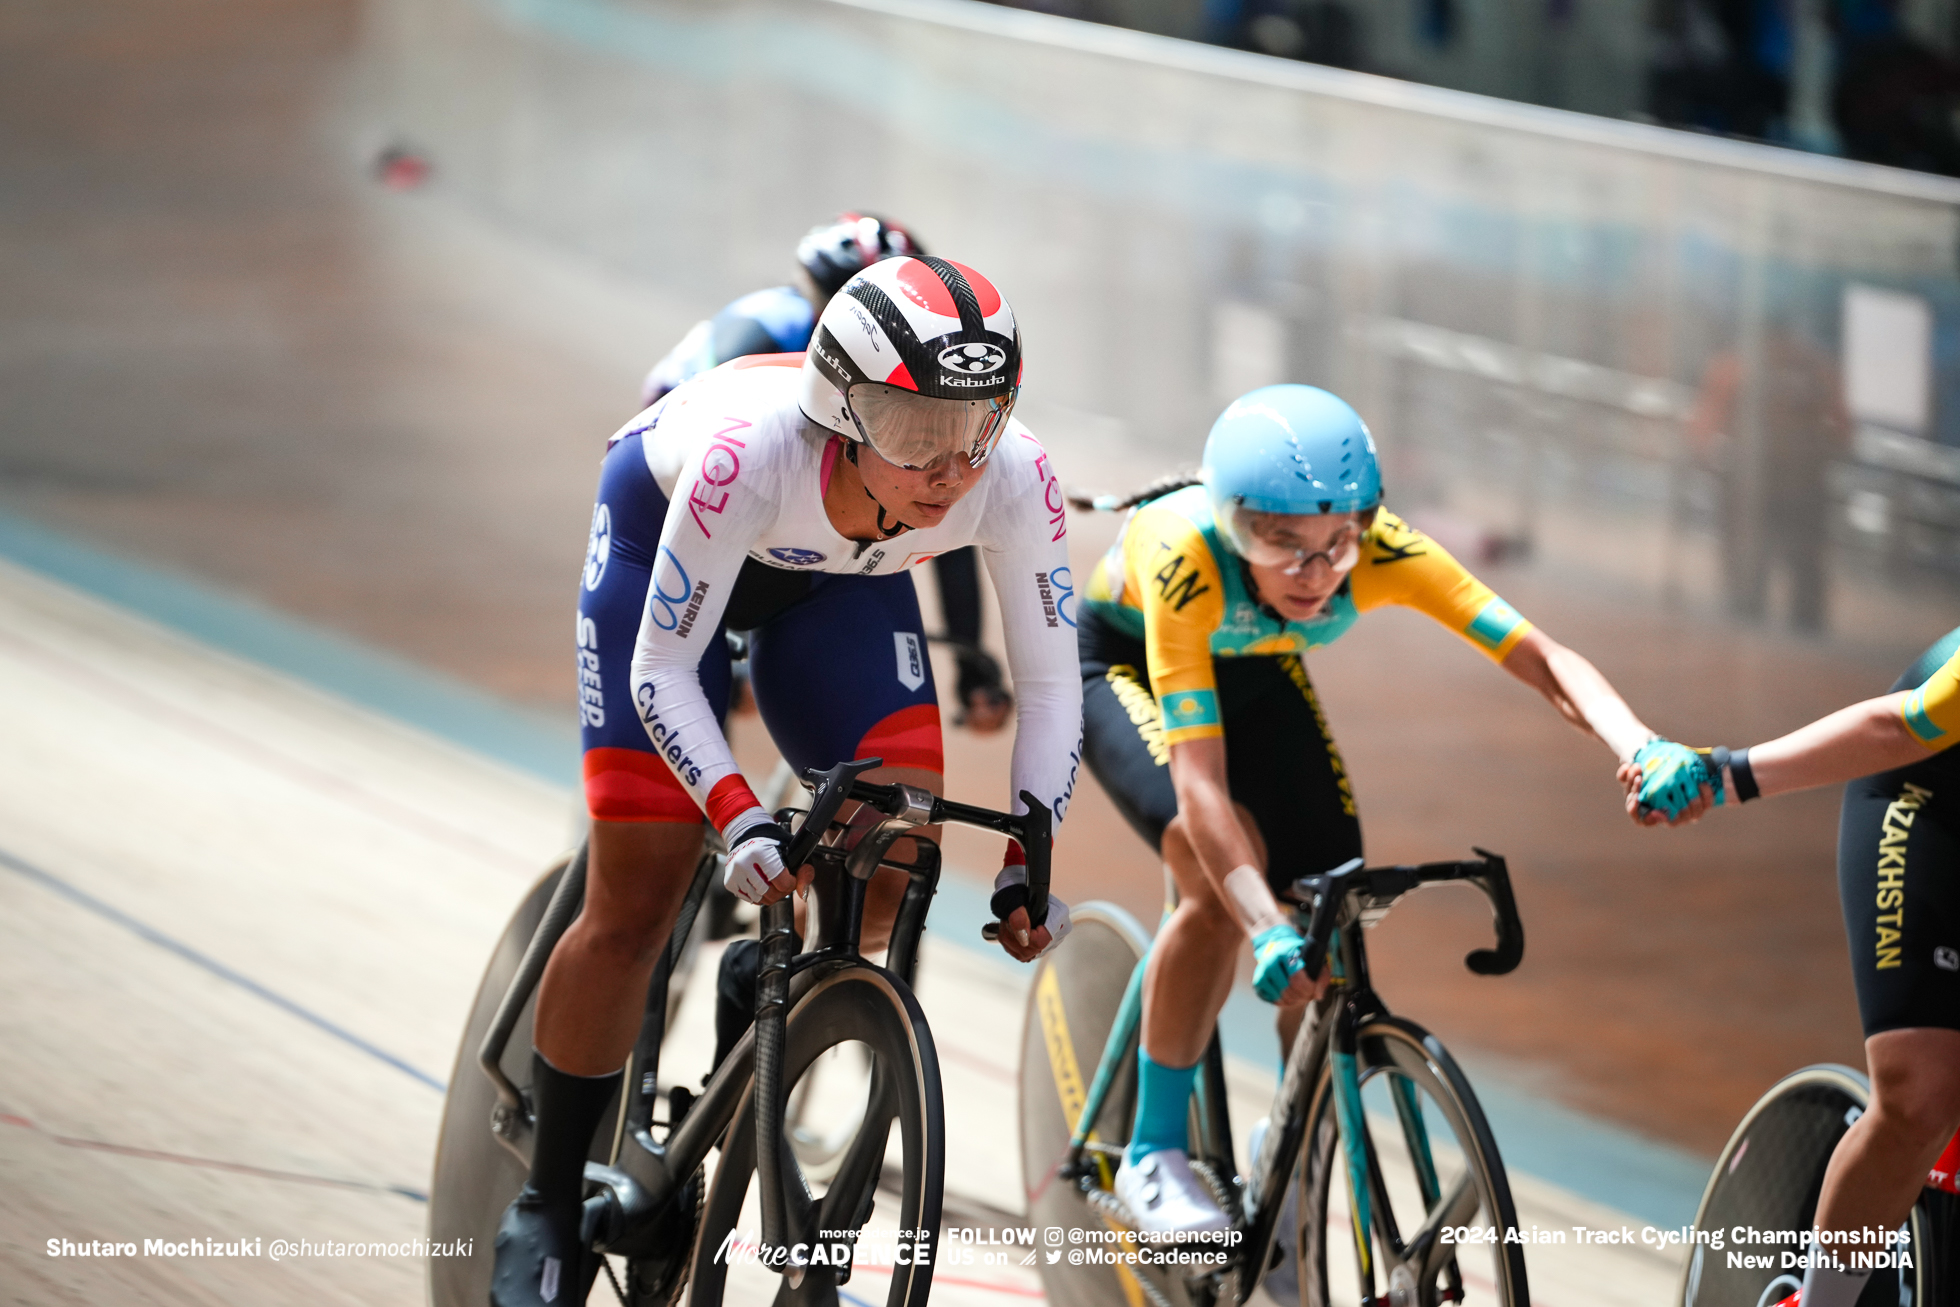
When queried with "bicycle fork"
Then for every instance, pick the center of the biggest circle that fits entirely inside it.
(1357, 1145)
(1346, 1076)
(1116, 1050)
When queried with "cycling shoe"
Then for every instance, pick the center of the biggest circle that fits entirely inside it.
(1164, 1196)
(540, 1261)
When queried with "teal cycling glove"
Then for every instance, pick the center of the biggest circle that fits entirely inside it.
(1672, 776)
(1278, 954)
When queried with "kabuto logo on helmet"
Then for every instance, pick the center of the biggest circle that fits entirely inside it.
(973, 358)
(920, 357)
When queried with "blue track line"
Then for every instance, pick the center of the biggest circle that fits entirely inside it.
(82, 898)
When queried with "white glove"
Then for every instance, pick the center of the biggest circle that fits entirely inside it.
(755, 855)
(1011, 892)
(1058, 924)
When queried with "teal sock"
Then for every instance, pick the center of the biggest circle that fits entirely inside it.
(1163, 1108)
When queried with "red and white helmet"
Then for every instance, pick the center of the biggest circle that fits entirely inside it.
(835, 251)
(917, 357)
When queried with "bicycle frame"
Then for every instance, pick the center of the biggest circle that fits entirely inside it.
(1338, 905)
(647, 1173)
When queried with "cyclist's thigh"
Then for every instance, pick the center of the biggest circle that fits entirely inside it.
(1285, 768)
(843, 674)
(625, 778)
(1899, 880)
(1123, 743)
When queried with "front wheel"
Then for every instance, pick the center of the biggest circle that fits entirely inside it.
(1441, 1209)
(1072, 1007)
(896, 1092)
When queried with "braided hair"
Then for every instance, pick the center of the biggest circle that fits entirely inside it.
(1157, 489)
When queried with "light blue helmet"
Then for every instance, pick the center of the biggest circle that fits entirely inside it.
(1288, 449)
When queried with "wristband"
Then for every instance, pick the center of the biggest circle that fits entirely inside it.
(1743, 776)
(748, 824)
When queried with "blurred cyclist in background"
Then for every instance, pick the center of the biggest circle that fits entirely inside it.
(1899, 881)
(788, 496)
(779, 320)
(1202, 725)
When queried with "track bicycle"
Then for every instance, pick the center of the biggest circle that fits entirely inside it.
(1768, 1178)
(1393, 1155)
(650, 1201)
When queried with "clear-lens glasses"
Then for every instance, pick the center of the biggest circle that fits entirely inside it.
(916, 431)
(1277, 540)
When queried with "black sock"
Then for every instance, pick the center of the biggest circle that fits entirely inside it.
(735, 987)
(567, 1110)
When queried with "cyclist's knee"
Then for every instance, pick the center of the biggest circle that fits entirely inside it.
(637, 873)
(1916, 1081)
(619, 943)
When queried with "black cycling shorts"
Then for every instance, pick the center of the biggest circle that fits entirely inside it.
(1899, 880)
(1280, 760)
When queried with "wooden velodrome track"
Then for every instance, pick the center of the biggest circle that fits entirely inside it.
(225, 352)
(240, 923)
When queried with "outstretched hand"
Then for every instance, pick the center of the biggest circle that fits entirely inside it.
(1632, 777)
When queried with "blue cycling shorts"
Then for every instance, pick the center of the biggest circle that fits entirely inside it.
(838, 663)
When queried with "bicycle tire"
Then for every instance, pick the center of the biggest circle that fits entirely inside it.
(1071, 1006)
(1475, 1192)
(1769, 1175)
(476, 1175)
(859, 1004)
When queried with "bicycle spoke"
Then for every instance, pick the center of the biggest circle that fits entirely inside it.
(1381, 1205)
(1425, 1249)
(847, 1202)
(800, 1208)
(865, 1009)
(1428, 1165)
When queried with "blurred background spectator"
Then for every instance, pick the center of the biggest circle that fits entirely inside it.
(1874, 80)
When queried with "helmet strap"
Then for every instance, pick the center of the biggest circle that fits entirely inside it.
(884, 532)
(1252, 587)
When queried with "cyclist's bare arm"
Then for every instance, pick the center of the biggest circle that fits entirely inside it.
(1581, 694)
(1204, 804)
(1210, 822)
(1856, 741)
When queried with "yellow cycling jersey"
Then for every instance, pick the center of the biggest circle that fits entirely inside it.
(1932, 711)
(1173, 583)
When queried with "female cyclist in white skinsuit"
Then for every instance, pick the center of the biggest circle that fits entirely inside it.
(787, 496)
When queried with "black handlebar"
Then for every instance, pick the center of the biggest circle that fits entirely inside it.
(1331, 895)
(1034, 829)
